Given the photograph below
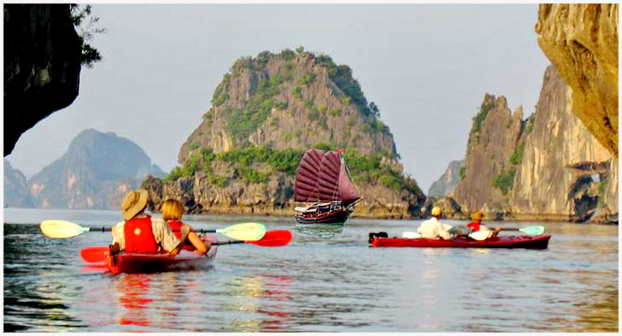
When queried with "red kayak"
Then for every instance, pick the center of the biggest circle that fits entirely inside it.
(530, 242)
(153, 263)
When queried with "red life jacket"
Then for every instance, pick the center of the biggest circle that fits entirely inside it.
(139, 237)
(176, 227)
(474, 226)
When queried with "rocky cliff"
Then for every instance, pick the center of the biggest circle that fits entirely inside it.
(95, 173)
(547, 167)
(563, 165)
(446, 184)
(289, 100)
(15, 188)
(581, 40)
(42, 56)
(265, 113)
(488, 166)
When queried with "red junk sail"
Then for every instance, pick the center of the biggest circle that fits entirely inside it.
(322, 177)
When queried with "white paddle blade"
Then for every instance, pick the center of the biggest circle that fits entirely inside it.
(61, 229)
(411, 235)
(533, 230)
(481, 235)
(244, 231)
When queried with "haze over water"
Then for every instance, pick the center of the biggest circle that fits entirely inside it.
(325, 280)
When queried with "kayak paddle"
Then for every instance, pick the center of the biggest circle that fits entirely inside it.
(482, 235)
(95, 254)
(411, 235)
(65, 229)
(272, 238)
(530, 230)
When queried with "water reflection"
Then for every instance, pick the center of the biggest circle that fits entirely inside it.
(600, 313)
(37, 305)
(325, 231)
(263, 294)
(133, 292)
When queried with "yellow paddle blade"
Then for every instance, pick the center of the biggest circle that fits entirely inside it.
(244, 231)
(61, 229)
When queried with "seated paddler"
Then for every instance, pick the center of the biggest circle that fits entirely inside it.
(477, 225)
(433, 228)
(141, 233)
(172, 211)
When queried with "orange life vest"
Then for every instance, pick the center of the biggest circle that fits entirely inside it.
(139, 237)
(176, 227)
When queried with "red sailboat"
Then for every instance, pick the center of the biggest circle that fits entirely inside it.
(323, 180)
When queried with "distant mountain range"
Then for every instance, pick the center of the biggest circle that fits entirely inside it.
(15, 188)
(95, 173)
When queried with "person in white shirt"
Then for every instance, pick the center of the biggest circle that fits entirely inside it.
(433, 228)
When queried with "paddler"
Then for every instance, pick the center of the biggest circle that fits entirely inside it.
(433, 228)
(476, 224)
(172, 211)
(139, 232)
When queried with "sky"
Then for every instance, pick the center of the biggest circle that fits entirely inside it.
(426, 66)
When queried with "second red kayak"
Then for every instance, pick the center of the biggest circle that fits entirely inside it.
(529, 242)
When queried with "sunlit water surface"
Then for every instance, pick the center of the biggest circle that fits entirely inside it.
(325, 280)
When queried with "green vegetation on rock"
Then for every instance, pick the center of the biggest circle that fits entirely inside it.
(363, 168)
(285, 161)
(342, 76)
(481, 116)
(242, 122)
(517, 157)
(504, 181)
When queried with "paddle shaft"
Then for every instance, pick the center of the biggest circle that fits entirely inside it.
(229, 242)
(272, 238)
(107, 229)
(102, 229)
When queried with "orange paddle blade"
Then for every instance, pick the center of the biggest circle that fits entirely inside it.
(274, 238)
(95, 254)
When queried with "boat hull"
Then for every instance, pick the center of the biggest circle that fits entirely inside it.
(338, 216)
(528, 242)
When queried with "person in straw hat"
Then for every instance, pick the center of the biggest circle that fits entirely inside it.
(140, 233)
(476, 224)
(433, 228)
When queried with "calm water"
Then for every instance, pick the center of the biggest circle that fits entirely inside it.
(326, 280)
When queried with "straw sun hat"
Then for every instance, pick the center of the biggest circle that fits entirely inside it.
(133, 203)
(477, 215)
